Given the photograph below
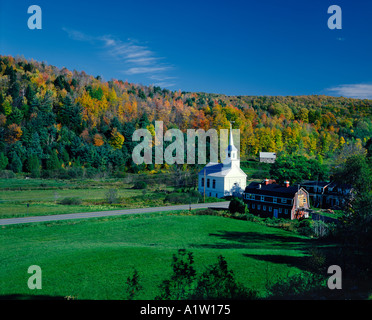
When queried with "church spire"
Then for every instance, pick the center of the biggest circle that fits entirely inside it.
(231, 141)
(231, 151)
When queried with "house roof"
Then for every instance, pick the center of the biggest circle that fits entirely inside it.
(272, 189)
(219, 170)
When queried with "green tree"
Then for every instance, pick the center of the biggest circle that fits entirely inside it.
(357, 172)
(53, 162)
(3, 161)
(237, 205)
(33, 165)
(179, 286)
(16, 163)
(297, 168)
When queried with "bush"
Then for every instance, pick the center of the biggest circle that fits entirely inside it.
(298, 285)
(237, 205)
(183, 197)
(321, 229)
(133, 286)
(7, 174)
(304, 227)
(75, 172)
(112, 196)
(71, 201)
(140, 185)
(175, 198)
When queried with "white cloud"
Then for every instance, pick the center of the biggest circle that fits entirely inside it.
(77, 35)
(137, 59)
(141, 70)
(359, 91)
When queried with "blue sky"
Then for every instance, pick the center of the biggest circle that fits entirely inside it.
(261, 47)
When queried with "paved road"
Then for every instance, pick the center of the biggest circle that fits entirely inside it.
(69, 216)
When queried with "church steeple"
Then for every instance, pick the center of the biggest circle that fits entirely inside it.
(231, 152)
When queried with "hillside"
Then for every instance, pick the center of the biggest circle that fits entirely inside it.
(57, 119)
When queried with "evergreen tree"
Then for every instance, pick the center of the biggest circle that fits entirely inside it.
(33, 165)
(3, 161)
(53, 162)
(16, 163)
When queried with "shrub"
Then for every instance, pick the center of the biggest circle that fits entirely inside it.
(140, 185)
(175, 198)
(297, 285)
(75, 172)
(237, 205)
(112, 196)
(133, 286)
(70, 201)
(304, 227)
(322, 229)
(7, 174)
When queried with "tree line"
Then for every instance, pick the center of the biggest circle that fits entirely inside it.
(57, 120)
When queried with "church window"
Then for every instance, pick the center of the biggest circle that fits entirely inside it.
(262, 198)
(207, 183)
(270, 209)
(202, 182)
(264, 208)
(214, 184)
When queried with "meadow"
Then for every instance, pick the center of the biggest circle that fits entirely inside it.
(92, 258)
(21, 197)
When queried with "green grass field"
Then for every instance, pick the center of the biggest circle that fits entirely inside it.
(91, 259)
(43, 196)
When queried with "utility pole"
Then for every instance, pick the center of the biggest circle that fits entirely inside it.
(205, 181)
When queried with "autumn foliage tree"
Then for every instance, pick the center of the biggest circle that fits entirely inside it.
(117, 139)
(44, 108)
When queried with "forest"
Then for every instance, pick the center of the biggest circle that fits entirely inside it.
(56, 120)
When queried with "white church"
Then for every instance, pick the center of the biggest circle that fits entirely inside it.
(223, 179)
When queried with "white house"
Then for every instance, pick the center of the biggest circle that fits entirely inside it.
(223, 179)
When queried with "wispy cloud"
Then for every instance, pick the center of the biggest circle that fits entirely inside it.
(135, 58)
(77, 35)
(359, 91)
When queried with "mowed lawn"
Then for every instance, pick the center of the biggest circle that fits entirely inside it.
(91, 258)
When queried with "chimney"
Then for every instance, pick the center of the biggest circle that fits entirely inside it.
(266, 182)
(286, 183)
